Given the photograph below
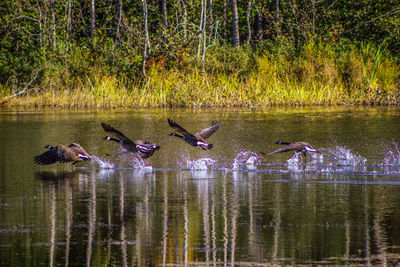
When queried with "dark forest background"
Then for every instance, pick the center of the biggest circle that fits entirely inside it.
(41, 39)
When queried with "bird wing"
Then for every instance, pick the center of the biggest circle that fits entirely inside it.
(46, 158)
(178, 128)
(66, 154)
(282, 149)
(205, 133)
(298, 146)
(115, 133)
(60, 153)
(78, 149)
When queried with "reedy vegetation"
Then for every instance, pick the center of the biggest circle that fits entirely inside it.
(311, 52)
(319, 74)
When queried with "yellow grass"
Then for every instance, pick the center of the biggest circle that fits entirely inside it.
(318, 76)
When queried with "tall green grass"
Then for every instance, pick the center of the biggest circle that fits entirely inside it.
(319, 73)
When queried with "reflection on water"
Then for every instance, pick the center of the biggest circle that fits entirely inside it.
(221, 219)
(229, 206)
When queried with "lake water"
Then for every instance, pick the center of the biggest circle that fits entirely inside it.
(229, 206)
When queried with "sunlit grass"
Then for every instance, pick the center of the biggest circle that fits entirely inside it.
(320, 74)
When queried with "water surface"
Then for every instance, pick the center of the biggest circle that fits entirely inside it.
(184, 206)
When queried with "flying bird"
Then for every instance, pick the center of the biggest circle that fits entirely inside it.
(73, 153)
(198, 139)
(299, 147)
(145, 149)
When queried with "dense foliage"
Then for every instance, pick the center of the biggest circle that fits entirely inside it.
(67, 46)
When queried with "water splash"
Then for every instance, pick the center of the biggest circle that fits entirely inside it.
(316, 157)
(295, 160)
(137, 162)
(202, 164)
(245, 158)
(345, 157)
(103, 164)
(392, 157)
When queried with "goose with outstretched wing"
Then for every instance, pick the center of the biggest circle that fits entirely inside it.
(73, 153)
(197, 139)
(299, 147)
(145, 149)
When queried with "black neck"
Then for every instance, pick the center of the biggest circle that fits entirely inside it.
(282, 143)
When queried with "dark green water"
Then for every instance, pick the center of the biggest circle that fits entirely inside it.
(205, 208)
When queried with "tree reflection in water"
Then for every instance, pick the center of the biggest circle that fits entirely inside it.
(208, 218)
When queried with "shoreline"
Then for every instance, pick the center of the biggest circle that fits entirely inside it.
(81, 99)
(35, 104)
(320, 75)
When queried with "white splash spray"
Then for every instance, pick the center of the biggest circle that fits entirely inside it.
(245, 158)
(103, 164)
(295, 160)
(392, 157)
(345, 157)
(202, 164)
(137, 162)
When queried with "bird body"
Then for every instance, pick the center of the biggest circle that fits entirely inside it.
(144, 148)
(197, 139)
(73, 153)
(299, 147)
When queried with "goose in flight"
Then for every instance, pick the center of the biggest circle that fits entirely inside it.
(197, 139)
(73, 153)
(299, 147)
(145, 149)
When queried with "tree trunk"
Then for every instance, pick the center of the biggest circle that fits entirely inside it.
(277, 18)
(69, 22)
(201, 27)
(53, 24)
(40, 25)
(146, 39)
(224, 11)
(314, 11)
(184, 19)
(248, 22)
(204, 32)
(259, 27)
(210, 14)
(93, 24)
(165, 21)
(119, 19)
(235, 24)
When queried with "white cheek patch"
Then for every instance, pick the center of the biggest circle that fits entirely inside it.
(310, 149)
(143, 147)
(200, 143)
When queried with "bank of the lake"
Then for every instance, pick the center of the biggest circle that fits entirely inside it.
(320, 74)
